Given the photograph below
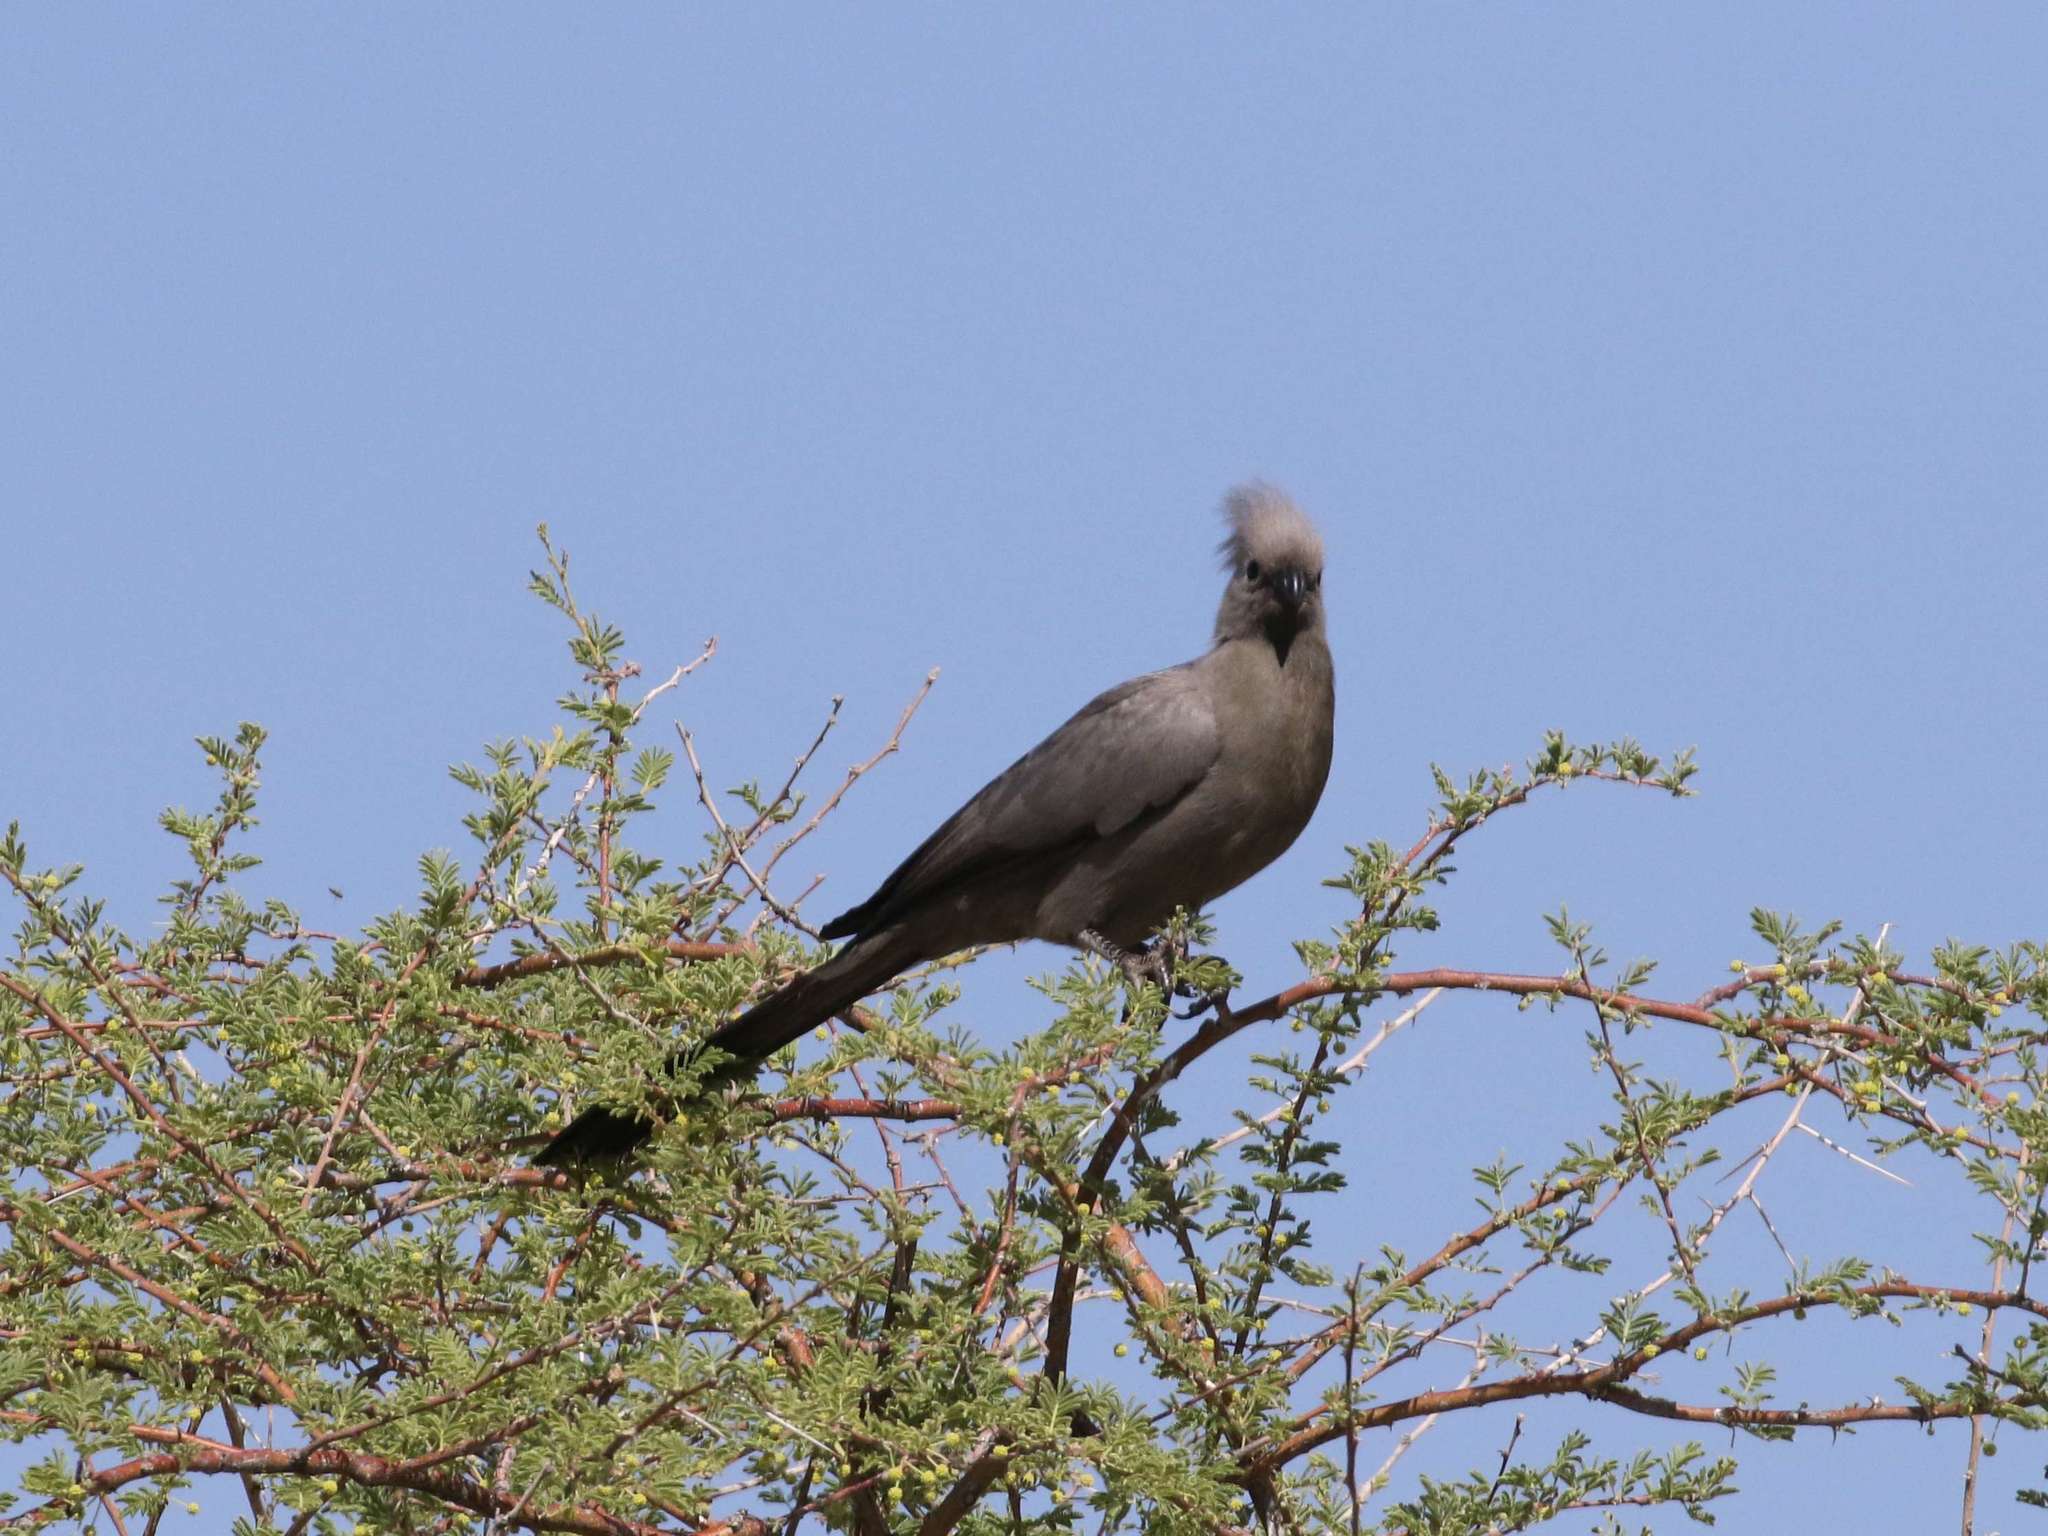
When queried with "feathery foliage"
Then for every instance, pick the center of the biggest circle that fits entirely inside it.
(271, 1239)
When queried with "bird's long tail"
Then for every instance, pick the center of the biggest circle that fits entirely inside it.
(806, 1001)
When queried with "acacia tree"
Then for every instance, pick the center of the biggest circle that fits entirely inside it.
(271, 1223)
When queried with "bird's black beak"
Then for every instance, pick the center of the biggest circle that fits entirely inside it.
(1291, 587)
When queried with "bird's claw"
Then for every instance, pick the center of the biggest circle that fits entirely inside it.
(1151, 964)
(1204, 1002)
(1157, 964)
(1147, 963)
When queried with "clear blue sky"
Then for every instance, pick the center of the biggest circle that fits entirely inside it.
(1679, 371)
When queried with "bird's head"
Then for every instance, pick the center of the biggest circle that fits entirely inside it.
(1275, 560)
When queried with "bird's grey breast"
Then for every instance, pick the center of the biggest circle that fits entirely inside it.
(1250, 802)
(1275, 753)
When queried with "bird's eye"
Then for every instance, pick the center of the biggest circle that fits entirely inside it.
(1251, 570)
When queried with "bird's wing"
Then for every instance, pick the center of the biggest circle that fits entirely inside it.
(1135, 749)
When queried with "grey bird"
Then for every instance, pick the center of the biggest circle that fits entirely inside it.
(1164, 792)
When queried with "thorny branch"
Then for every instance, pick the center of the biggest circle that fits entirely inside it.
(586, 1352)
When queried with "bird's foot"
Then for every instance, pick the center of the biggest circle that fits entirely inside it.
(1160, 964)
(1217, 1002)
(1204, 980)
(1148, 962)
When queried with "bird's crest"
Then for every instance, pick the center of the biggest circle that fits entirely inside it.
(1267, 527)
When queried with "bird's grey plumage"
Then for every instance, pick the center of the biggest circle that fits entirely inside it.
(1164, 792)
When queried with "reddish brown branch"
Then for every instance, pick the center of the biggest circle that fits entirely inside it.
(485, 977)
(1605, 1382)
(204, 1456)
(865, 1109)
